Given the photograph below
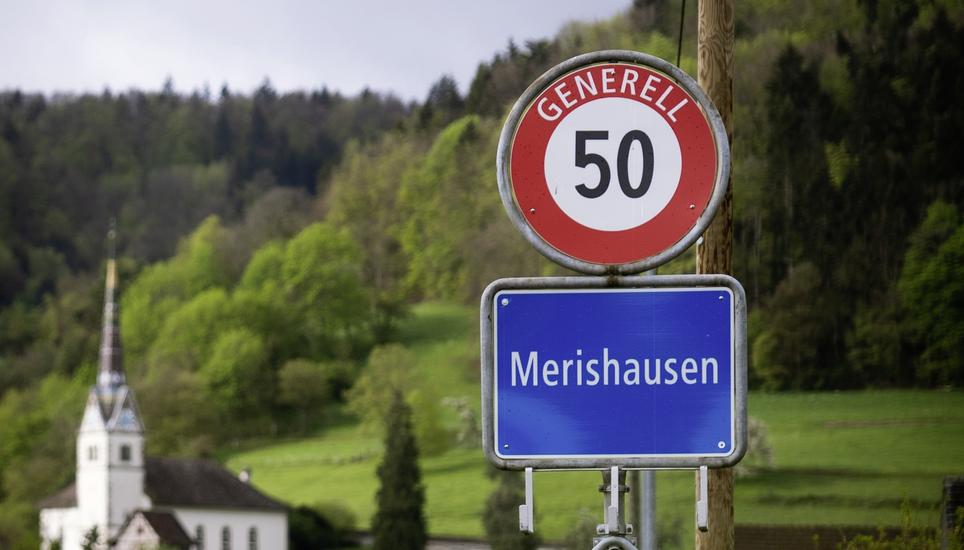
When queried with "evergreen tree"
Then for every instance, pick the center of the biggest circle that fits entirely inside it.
(399, 522)
(223, 132)
(443, 104)
(799, 207)
(501, 517)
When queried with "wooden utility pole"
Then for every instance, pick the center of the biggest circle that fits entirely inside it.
(714, 254)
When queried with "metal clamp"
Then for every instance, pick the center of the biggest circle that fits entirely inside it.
(612, 512)
(615, 532)
(526, 511)
(702, 504)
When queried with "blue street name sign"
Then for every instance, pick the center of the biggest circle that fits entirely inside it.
(650, 374)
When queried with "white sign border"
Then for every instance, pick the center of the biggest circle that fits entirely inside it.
(507, 138)
(582, 462)
(495, 366)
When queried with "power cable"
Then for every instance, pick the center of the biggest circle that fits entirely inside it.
(679, 44)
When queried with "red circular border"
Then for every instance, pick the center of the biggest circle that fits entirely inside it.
(531, 192)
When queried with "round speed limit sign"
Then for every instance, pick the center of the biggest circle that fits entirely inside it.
(613, 162)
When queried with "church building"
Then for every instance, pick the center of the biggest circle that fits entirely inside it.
(131, 501)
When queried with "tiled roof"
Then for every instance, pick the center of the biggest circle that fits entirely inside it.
(65, 498)
(201, 483)
(173, 482)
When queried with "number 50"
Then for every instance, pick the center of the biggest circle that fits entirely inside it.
(584, 159)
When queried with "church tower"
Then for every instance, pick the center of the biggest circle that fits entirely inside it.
(110, 443)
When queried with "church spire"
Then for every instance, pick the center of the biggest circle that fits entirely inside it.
(110, 374)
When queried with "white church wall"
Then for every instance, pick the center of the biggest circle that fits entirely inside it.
(109, 487)
(133, 441)
(126, 495)
(272, 527)
(61, 524)
(126, 478)
(93, 452)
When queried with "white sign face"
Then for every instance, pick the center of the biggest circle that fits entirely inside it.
(604, 156)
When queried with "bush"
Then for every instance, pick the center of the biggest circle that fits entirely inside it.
(501, 517)
(580, 535)
(308, 530)
(759, 453)
(910, 537)
(340, 517)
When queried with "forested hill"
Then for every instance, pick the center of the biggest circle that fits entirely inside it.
(268, 242)
(158, 162)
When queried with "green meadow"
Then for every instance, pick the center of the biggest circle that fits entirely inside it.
(839, 458)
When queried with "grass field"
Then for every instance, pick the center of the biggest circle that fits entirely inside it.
(840, 458)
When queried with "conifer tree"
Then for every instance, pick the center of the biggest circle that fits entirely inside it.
(399, 522)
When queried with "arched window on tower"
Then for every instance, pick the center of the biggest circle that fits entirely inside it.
(125, 453)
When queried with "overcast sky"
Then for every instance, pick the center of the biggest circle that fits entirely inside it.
(402, 45)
